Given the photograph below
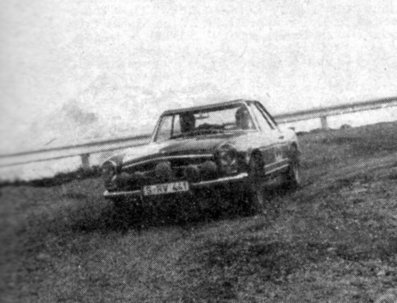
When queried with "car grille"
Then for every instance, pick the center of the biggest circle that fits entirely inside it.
(162, 170)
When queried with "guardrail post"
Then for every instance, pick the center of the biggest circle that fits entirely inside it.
(324, 122)
(85, 161)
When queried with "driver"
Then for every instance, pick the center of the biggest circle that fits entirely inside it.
(187, 121)
(243, 120)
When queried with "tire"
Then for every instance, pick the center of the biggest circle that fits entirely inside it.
(293, 175)
(256, 187)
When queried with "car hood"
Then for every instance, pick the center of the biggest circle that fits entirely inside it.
(183, 146)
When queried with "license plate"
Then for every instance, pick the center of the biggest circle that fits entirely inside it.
(165, 188)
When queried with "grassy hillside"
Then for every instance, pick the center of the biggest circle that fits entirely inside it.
(334, 240)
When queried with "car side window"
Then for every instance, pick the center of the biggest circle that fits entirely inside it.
(176, 127)
(263, 123)
(164, 130)
(267, 116)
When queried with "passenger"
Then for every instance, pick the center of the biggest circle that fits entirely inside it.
(243, 119)
(187, 121)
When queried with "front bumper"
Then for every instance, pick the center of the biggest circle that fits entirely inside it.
(203, 184)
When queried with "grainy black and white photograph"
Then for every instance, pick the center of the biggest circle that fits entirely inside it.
(198, 151)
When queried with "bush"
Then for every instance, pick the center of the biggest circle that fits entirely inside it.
(58, 179)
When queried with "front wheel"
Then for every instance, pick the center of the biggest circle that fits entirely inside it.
(256, 185)
(257, 198)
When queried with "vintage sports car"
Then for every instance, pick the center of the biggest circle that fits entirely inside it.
(212, 147)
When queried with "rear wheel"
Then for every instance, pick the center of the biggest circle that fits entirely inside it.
(293, 175)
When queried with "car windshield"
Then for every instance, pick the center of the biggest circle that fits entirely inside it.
(206, 121)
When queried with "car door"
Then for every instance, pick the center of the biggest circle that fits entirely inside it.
(269, 141)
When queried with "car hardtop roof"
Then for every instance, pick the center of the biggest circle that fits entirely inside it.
(207, 106)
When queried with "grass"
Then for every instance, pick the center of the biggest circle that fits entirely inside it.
(333, 240)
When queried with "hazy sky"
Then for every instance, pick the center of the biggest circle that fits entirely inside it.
(288, 54)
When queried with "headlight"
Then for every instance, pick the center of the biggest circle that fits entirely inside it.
(208, 170)
(192, 173)
(226, 156)
(163, 171)
(109, 174)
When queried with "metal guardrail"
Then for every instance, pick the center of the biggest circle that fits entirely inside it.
(325, 112)
(84, 150)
